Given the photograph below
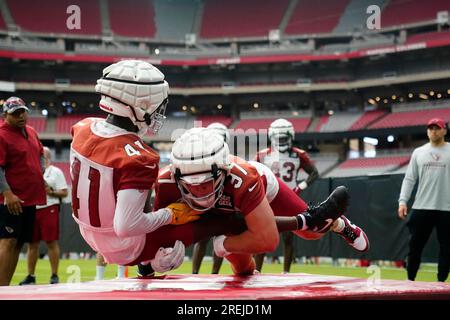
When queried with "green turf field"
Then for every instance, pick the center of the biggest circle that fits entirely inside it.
(84, 270)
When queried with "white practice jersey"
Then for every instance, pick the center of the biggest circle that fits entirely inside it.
(286, 166)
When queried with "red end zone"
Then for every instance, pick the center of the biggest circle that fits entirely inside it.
(218, 287)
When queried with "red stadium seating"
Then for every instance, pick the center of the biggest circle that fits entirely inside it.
(300, 124)
(367, 118)
(374, 162)
(237, 18)
(64, 124)
(320, 16)
(410, 118)
(207, 120)
(50, 16)
(428, 36)
(39, 124)
(139, 18)
(2, 23)
(322, 121)
(398, 12)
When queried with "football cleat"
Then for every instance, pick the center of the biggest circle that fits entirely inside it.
(54, 279)
(354, 236)
(29, 279)
(145, 271)
(321, 217)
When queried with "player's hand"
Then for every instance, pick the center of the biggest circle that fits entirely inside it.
(167, 259)
(182, 213)
(219, 248)
(402, 211)
(13, 202)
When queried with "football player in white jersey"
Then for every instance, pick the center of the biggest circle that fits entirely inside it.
(285, 161)
(113, 170)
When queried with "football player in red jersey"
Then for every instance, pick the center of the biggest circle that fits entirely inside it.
(285, 161)
(113, 170)
(199, 249)
(210, 180)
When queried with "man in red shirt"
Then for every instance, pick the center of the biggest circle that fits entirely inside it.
(22, 184)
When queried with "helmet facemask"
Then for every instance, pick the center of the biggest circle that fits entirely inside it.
(201, 190)
(155, 121)
(281, 142)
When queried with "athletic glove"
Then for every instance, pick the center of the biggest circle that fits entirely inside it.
(219, 249)
(167, 259)
(182, 213)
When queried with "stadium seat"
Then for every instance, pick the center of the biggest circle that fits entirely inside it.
(236, 18)
(139, 18)
(50, 16)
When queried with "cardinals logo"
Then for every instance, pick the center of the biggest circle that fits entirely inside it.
(435, 156)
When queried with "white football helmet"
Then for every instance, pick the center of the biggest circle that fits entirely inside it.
(136, 90)
(200, 161)
(281, 134)
(221, 129)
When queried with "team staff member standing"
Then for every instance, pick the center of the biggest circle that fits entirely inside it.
(430, 167)
(21, 184)
(46, 227)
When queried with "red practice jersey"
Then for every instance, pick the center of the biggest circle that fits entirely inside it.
(105, 159)
(245, 187)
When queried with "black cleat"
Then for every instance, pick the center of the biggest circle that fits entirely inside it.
(29, 279)
(54, 279)
(321, 217)
(145, 271)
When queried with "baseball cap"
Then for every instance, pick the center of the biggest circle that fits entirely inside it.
(438, 122)
(13, 104)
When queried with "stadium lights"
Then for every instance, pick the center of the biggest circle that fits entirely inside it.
(390, 138)
(410, 95)
(372, 141)
(44, 112)
(219, 106)
(184, 108)
(33, 104)
(193, 109)
(371, 101)
(157, 51)
(448, 91)
(394, 97)
(385, 100)
(431, 93)
(423, 96)
(439, 95)
(377, 99)
(330, 112)
(256, 105)
(401, 99)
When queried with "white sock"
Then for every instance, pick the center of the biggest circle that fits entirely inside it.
(338, 225)
(121, 271)
(99, 272)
